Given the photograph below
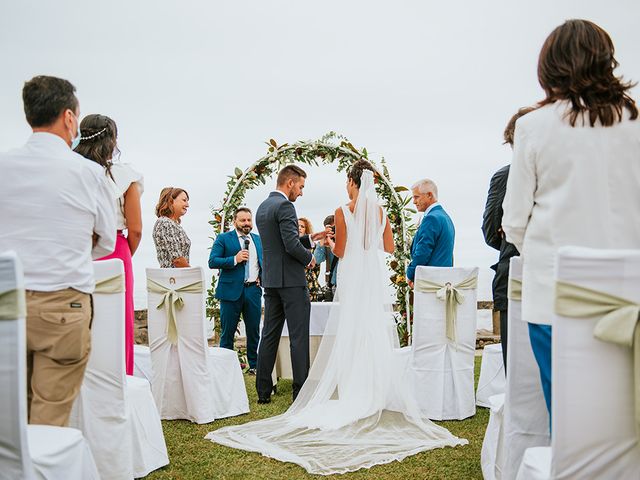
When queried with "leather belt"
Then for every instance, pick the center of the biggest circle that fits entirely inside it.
(250, 284)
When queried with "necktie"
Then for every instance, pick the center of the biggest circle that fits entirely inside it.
(245, 239)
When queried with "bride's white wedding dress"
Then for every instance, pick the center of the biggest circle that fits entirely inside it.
(356, 409)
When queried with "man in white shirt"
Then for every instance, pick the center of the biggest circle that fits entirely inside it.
(57, 214)
(238, 255)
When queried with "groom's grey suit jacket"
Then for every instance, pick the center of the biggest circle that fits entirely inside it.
(284, 253)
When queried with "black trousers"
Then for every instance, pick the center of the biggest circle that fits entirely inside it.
(292, 304)
(503, 337)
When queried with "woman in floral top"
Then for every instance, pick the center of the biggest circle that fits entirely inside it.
(172, 242)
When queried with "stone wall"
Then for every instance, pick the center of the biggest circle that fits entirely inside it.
(140, 333)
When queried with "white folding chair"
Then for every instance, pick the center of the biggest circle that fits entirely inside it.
(116, 412)
(29, 451)
(526, 420)
(593, 423)
(190, 380)
(492, 380)
(442, 367)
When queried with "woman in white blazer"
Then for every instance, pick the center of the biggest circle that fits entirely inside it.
(575, 176)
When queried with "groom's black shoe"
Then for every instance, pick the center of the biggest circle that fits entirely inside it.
(264, 400)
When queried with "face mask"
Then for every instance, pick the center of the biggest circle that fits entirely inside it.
(76, 140)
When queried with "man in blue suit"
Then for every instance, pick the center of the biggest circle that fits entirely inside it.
(238, 255)
(433, 243)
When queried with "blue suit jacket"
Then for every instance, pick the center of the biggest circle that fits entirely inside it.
(231, 281)
(433, 244)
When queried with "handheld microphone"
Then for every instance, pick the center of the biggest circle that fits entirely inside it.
(246, 244)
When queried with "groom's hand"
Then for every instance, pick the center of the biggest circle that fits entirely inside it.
(312, 263)
(242, 256)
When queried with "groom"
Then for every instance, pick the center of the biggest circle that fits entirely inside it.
(285, 257)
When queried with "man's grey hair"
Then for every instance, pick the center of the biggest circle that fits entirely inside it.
(425, 186)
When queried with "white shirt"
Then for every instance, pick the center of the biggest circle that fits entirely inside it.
(53, 200)
(123, 176)
(254, 266)
(282, 193)
(569, 186)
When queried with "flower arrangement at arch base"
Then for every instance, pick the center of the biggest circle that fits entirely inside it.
(332, 148)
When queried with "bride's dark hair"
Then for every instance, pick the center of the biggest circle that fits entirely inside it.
(355, 172)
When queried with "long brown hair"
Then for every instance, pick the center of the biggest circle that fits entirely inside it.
(576, 63)
(164, 208)
(99, 139)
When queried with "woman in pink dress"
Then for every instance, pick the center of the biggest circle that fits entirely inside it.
(99, 143)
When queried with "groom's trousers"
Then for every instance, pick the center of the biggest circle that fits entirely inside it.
(292, 304)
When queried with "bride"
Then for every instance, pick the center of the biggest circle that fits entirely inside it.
(356, 409)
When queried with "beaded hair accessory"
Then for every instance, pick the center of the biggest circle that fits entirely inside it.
(94, 135)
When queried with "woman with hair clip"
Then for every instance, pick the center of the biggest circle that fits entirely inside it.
(575, 175)
(99, 144)
(172, 242)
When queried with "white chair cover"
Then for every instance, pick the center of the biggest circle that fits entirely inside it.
(15, 461)
(593, 426)
(492, 454)
(536, 464)
(190, 380)
(443, 370)
(29, 451)
(142, 362)
(112, 409)
(492, 380)
(100, 411)
(526, 420)
(59, 452)
(147, 437)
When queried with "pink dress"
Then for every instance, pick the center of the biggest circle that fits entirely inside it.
(123, 252)
(124, 176)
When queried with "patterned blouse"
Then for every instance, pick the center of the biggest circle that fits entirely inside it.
(312, 282)
(171, 241)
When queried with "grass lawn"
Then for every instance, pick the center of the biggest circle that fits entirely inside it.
(193, 457)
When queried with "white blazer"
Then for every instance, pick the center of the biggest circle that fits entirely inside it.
(569, 186)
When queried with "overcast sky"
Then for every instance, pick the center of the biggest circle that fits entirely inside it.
(197, 87)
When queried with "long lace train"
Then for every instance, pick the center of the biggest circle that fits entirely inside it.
(356, 409)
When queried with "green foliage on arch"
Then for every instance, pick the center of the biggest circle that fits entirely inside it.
(335, 149)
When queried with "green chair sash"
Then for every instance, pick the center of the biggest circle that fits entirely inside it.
(452, 297)
(113, 284)
(619, 323)
(514, 291)
(172, 299)
(12, 304)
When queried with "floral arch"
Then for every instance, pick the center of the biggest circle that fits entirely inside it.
(329, 149)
